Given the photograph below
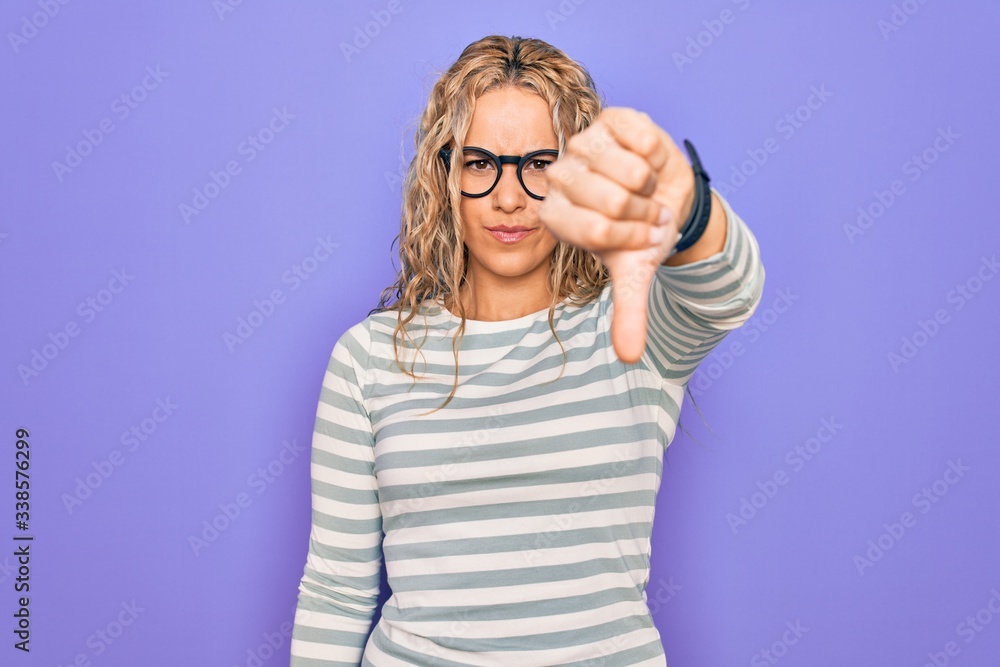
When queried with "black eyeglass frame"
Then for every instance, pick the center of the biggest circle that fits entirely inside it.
(498, 162)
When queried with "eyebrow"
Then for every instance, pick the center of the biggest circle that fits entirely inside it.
(525, 152)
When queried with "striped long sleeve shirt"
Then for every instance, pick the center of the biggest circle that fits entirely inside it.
(515, 523)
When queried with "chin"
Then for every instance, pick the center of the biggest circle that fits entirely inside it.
(515, 267)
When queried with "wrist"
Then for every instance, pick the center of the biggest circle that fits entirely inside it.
(701, 208)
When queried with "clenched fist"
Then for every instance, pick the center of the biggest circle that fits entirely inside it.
(621, 190)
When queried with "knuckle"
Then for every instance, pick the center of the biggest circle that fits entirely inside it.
(555, 173)
(616, 203)
(649, 140)
(601, 140)
(566, 179)
(575, 143)
(640, 175)
(602, 232)
(562, 173)
(618, 119)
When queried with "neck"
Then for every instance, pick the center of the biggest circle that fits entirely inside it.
(498, 298)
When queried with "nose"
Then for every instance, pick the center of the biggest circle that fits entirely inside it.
(508, 194)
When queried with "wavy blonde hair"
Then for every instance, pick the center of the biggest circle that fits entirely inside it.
(432, 251)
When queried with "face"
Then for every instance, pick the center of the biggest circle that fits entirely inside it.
(509, 121)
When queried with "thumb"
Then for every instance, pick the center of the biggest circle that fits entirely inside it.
(630, 281)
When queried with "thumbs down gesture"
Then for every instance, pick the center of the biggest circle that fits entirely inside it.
(621, 190)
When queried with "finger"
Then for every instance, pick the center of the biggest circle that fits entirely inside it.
(588, 229)
(630, 292)
(600, 193)
(601, 153)
(636, 131)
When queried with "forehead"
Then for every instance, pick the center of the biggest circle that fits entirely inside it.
(511, 121)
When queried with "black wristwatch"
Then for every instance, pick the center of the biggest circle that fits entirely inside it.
(696, 223)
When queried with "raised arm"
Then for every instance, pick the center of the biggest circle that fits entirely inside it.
(624, 190)
(339, 588)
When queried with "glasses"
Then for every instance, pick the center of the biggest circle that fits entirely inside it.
(481, 170)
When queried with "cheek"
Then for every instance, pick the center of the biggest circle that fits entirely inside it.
(548, 240)
(472, 211)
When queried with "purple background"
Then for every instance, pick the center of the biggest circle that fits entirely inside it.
(720, 592)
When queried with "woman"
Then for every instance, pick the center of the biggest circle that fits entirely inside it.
(483, 435)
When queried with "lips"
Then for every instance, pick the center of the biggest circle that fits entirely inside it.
(508, 235)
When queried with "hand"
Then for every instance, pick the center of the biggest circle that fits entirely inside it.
(621, 190)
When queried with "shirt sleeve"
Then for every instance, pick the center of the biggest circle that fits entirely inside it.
(339, 589)
(692, 307)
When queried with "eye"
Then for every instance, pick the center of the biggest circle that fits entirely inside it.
(538, 164)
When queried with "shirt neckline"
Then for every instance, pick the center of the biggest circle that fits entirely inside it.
(488, 326)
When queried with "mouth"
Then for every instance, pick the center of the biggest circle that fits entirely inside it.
(509, 234)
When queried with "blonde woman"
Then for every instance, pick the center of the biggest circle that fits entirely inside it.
(496, 434)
